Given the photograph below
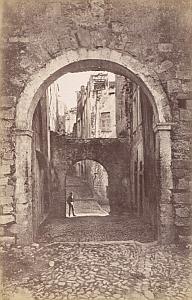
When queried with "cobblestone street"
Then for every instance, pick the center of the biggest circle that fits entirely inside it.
(99, 271)
(96, 229)
(86, 228)
(96, 258)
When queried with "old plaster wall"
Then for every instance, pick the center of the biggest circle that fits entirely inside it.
(157, 34)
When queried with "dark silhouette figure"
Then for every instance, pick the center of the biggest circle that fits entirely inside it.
(70, 201)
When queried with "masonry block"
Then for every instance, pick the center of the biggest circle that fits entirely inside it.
(166, 212)
(187, 87)
(189, 104)
(182, 184)
(180, 221)
(185, 114)
(8, 161)
(7, 101)
(6, 219)
(23, 232)
(72, 55)
(8, 114)
(7, 209)
(165, 66)
(9, 190)
(5, 169)
(5, 200)
(2, 190)
(97, 38)
(7, 240)
(185, 239)
(69, 42)
(182, 212)
(183, 74)
(184, 96)
(182, 164)
(8, 155)
(179, 173)
(182, 198)
(181, 148)
(2, 230)
(165, 47)
(84, 37)
(6, 124)
(174, 86)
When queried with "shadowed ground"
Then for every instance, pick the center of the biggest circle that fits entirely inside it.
(97, 228)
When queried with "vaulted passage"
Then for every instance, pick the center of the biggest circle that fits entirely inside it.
(121, 124)
(114, 124)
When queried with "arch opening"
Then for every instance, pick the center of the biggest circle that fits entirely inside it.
(83, 60)
(153, 108)
(93, 65)
(88, 181)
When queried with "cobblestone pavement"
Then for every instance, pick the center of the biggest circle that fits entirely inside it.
(99, 271)
(97, 228)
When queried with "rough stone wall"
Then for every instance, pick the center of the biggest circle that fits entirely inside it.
(157, 33)
(7, 168)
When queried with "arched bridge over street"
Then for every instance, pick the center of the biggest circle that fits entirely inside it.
(112, 153)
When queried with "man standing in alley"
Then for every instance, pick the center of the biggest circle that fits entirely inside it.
(70, 201)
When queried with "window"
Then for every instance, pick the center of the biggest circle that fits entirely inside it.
(182, 103)
(105, 121)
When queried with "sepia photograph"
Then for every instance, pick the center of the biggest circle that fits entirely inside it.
(95, 150)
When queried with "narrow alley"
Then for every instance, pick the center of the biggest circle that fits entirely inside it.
(95, 150)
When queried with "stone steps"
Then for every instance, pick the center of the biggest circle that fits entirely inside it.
(88, 207)
(79, 186)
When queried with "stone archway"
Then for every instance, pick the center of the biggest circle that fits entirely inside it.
(83, 59)
(113, 154)
(110, 59)
(88, 180)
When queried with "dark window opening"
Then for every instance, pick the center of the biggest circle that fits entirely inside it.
(182, 103)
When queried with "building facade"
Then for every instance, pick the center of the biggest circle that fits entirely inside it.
(70, 121)
(135, 120)
(96, 108)
(96, 118)
(61, 118)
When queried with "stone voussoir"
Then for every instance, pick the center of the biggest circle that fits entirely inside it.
(6, 219)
